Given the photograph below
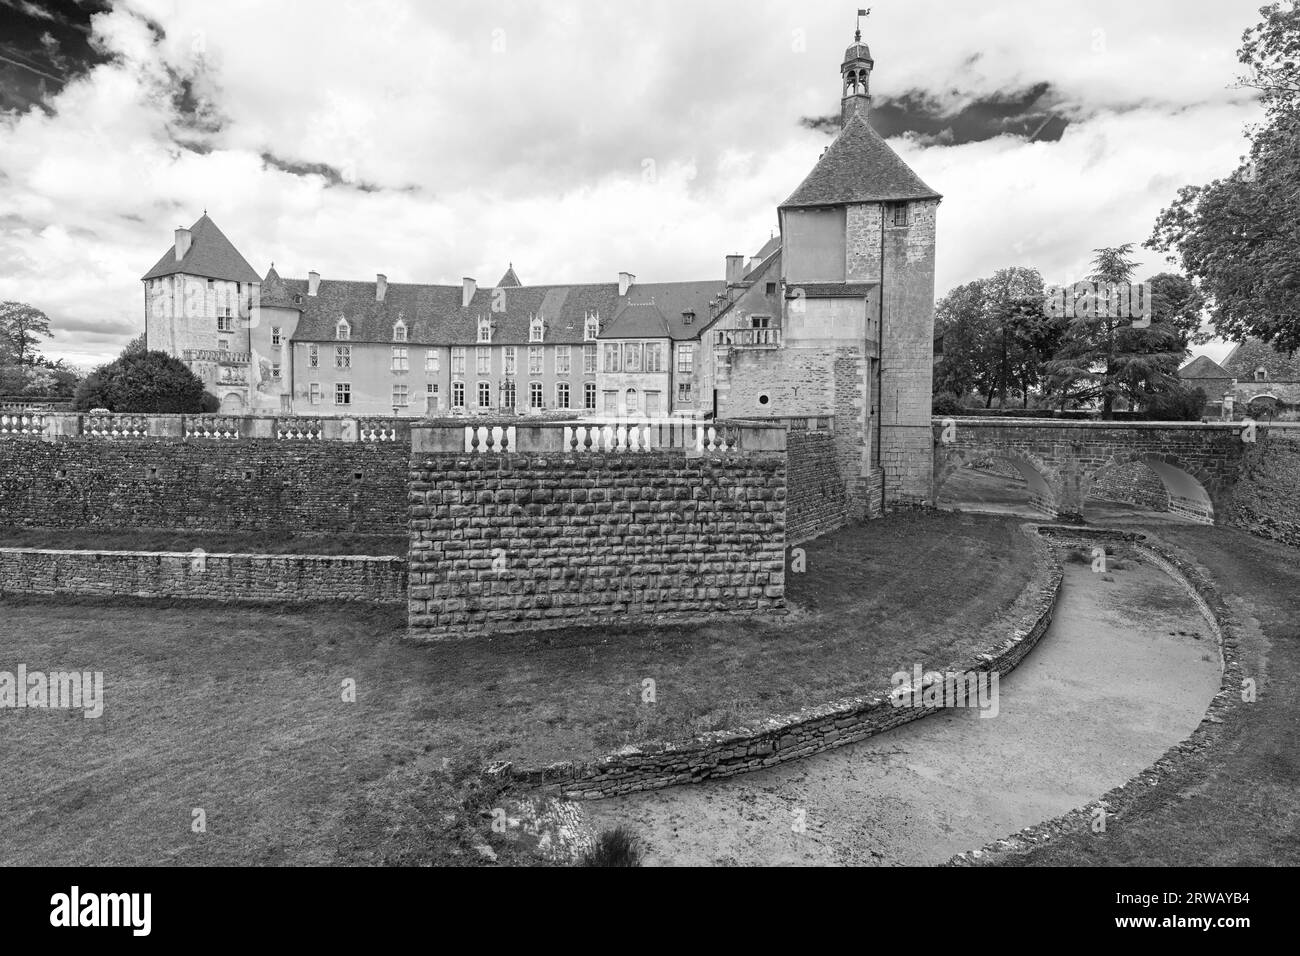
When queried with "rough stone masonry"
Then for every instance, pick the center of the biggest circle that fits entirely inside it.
(542, 536)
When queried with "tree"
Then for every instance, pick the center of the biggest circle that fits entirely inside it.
(21, 328)
(1107, 351)
(147, 382)
(1239, 237)
(135, 347)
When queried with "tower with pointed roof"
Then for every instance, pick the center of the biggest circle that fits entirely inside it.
(855, 76)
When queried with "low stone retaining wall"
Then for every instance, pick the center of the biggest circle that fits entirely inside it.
(812, 730)
(245, 578)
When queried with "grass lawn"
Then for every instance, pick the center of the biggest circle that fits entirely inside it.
(251, 542)
(239, 711)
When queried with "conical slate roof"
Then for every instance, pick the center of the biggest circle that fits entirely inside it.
(211, 256)
(859, 167)
(509, 280)
(275, 293)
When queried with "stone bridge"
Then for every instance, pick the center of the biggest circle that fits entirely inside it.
(1061, 461)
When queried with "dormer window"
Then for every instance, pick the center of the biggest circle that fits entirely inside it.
(688, 316)
(399, 331)
(592, 327)
(342, 331)
(535, 330)
(484, 330)
(1261, 375)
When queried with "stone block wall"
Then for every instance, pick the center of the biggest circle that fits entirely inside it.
(817, 496)
(217, 577)
(1266, 499)
(544, 536)
(1132, 483)
(215, 485)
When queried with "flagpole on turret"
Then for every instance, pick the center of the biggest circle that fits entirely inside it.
(857, 32)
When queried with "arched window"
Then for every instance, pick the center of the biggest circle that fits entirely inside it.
(631, 401)
(399, 331)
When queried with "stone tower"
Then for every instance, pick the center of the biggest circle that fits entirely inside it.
(199, 301)
(855, 76)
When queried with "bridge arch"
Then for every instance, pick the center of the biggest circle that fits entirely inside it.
(1043, 481)
(1191, 490)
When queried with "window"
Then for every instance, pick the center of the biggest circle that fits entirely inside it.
(457, 394)
(508, 360)
(401, 397)
(631, 401)
(770, 289)
(484, 330)
(483, 361)
(225, 323)
(431, 360)
(314, 393)
(535, 329)
(534, 360)
(275, 336)
(589, 396)
(898, 213)
(275, 370)
(223, 345)
(534, 394)
(632, 357)
(399, 331)
(611, 403)
(685, 394)
(589, 359)
(484, 394)
(342, 393)
(342, 356)
(652, 408)
(591, 328)
(654, 357)
(401, 361)
(562, 395)
(458, 360)
(508, 394)
(685, 359)
(313, 356)
(612, 353)
(431, 396)
(562, 361)
(1261, 375)
(343, 331)
(688, 317)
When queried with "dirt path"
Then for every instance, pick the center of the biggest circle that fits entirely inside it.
(1126, 670)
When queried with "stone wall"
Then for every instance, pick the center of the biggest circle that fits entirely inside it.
(1266, 499)
(813, 730)
(1132, 483)
(557, 530)
(816, 497)
(218, 577)
(203, 472)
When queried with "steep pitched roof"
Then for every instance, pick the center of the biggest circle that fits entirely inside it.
(859, 167)
(637, 320)
(275, 293)
(211, 256)
(1203, 367)
(509, 280)
(433, 314)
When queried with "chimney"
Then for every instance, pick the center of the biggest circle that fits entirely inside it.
(313, 282)
(625, 280)
(381, 287)
(467, 289)
(735, 269)
(183, 240)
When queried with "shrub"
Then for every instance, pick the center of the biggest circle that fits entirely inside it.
(143, 382)
(945, 403)
(618, 846)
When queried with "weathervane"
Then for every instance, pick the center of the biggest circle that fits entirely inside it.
(857, 33)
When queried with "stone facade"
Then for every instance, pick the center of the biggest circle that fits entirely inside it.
(1266, 500)
(238, 578)
(816, 499)
(551, 533)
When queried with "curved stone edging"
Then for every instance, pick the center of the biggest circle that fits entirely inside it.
(810, 731)
(1225, 705)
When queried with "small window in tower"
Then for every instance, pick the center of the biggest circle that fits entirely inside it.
(771, 288)
(898, 212)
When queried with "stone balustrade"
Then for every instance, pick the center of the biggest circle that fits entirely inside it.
(689, 436)
(53, 426)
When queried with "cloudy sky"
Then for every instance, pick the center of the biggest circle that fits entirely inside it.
(577, 138)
